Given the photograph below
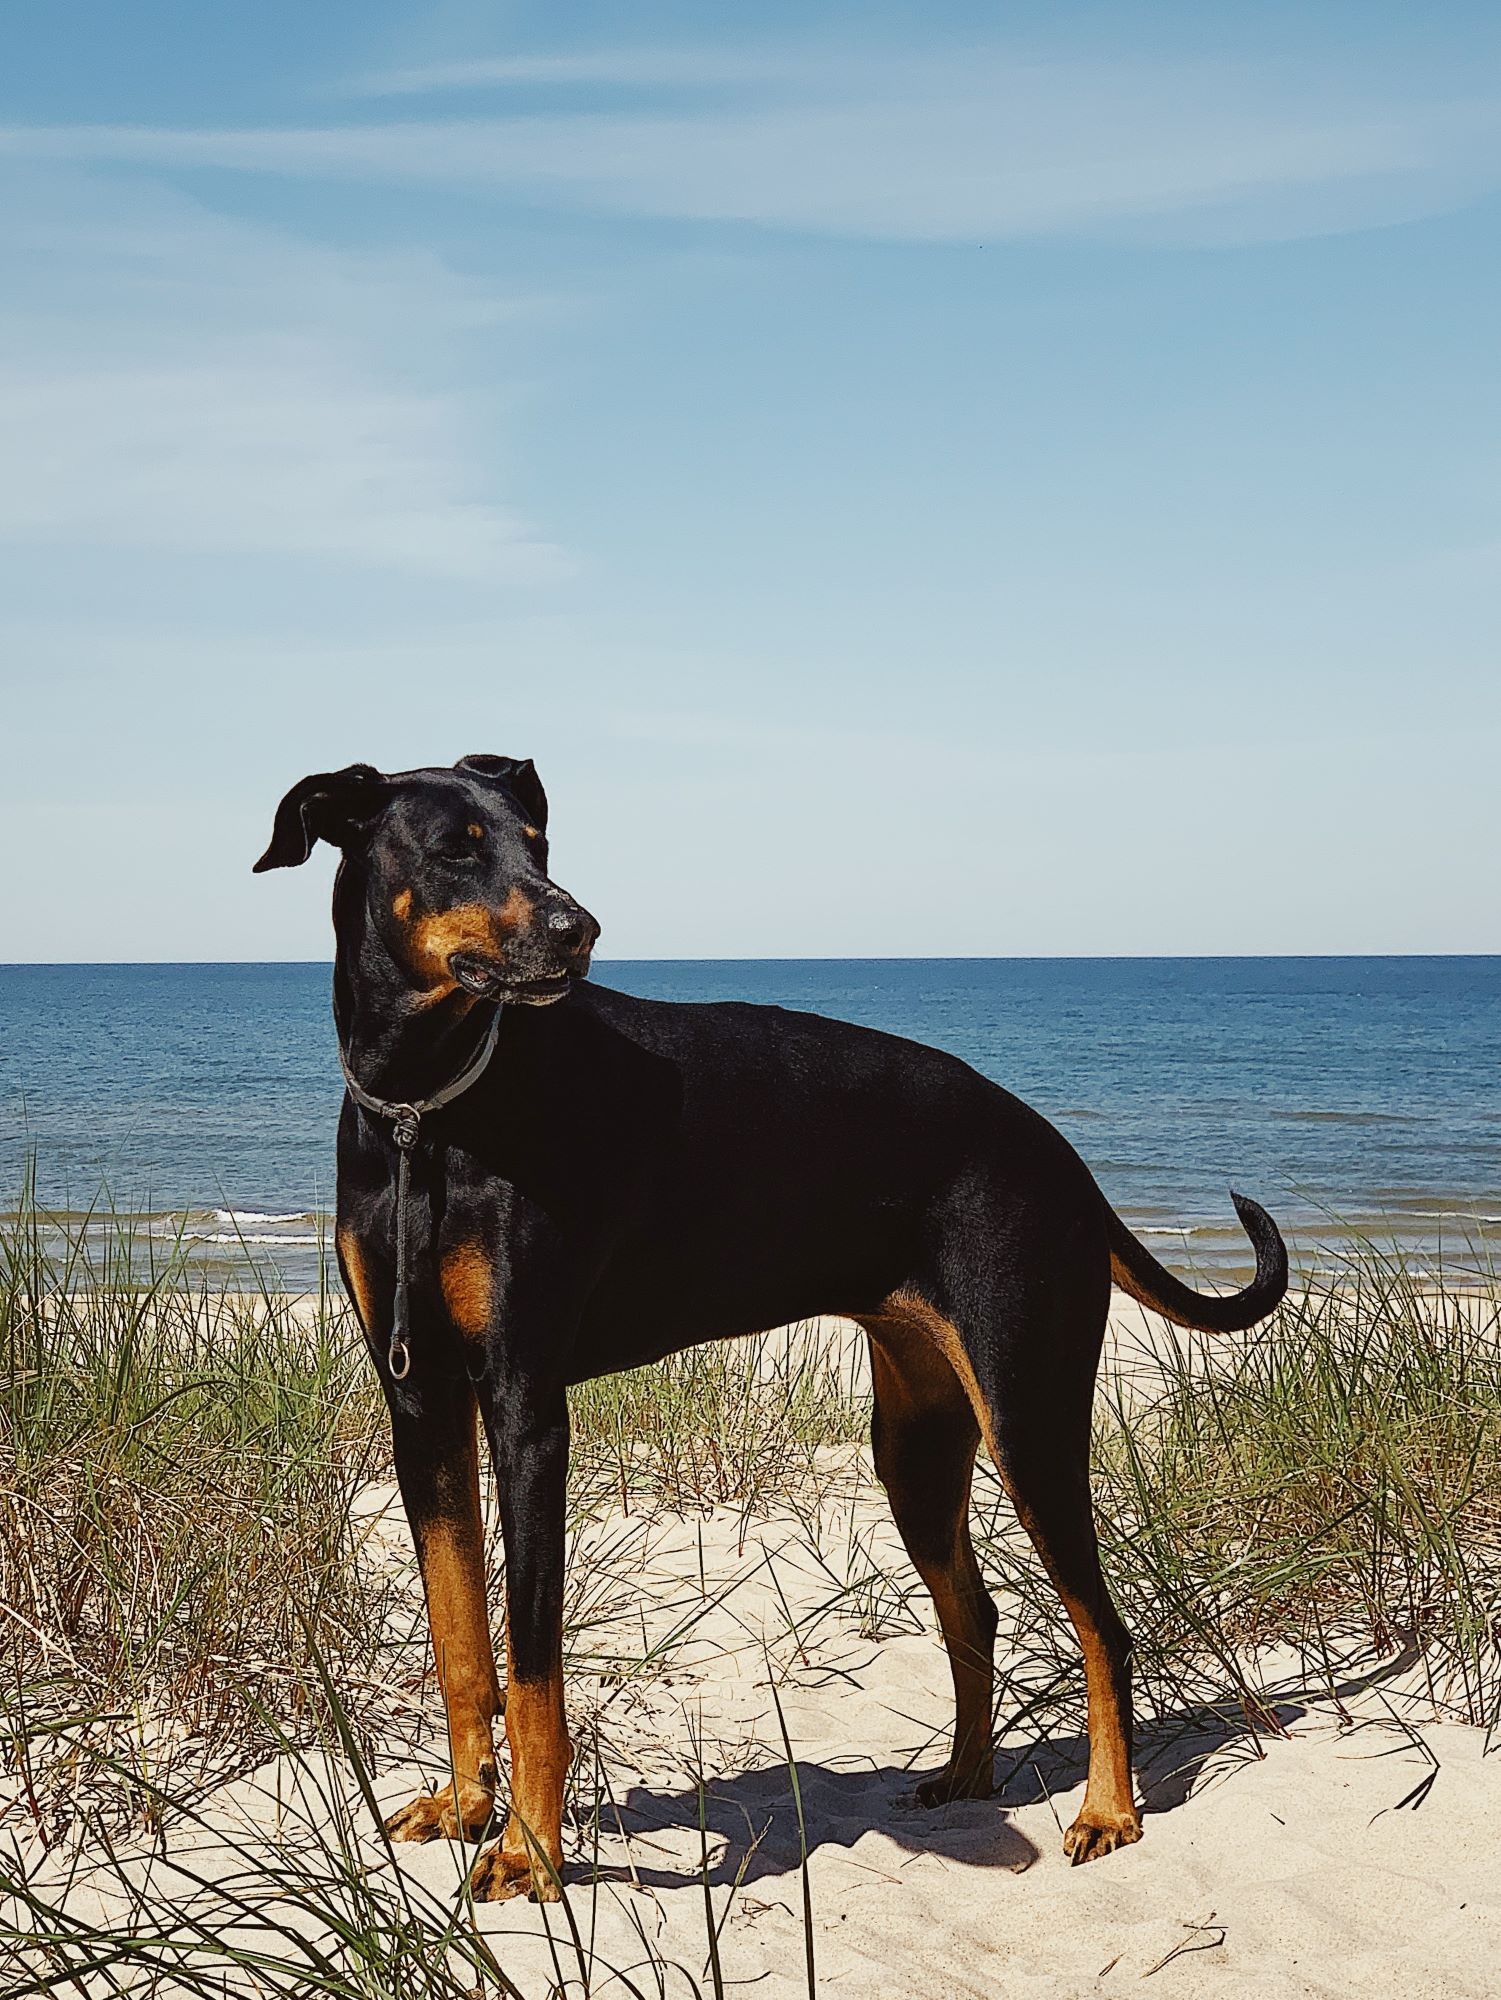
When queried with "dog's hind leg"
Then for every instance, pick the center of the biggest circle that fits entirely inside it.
(924, 1436)
(1024, 1342)
(1046, 1470)
(1031, 1337)
(437, 1467)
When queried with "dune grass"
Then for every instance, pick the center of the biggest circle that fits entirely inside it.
(740, 1423)
(188, 1584)
(1332, 1485)
(176, 1543)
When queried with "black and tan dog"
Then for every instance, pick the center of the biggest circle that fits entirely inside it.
(618, 1179)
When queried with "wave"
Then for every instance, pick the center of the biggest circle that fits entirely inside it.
(236, 1225)
(1443, 1215)
(250, 1217)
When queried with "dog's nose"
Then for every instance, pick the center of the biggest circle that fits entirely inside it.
(571, 929)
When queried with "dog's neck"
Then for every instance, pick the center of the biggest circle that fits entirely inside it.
(402, 1043)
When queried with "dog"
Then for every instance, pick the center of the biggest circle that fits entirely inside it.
(541, 1181)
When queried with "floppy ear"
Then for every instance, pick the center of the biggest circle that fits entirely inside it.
(519, 776)
(330, 805)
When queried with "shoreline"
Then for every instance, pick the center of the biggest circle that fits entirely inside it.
(291, 1253)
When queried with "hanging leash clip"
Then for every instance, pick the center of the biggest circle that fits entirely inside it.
(406, 1129)
(406, 1122)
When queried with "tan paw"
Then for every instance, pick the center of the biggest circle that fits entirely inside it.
(433, 1815)
(1095, 1833)
(499, 1874)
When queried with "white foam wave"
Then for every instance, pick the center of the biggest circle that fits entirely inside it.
(241, 1218)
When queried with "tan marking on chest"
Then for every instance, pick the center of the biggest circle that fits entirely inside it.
(355, 1274)
(401, 905)
(468, 1279)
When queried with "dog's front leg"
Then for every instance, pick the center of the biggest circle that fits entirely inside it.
(437, 1465)
(529, 1441)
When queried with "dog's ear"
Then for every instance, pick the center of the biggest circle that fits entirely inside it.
(330, 805)
(519, 776)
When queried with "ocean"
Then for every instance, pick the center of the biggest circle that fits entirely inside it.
(1353, 1096)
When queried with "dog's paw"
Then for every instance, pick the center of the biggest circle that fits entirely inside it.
(969, 1781)
(435, 1816)
(1095, 1833)
(499, 1874)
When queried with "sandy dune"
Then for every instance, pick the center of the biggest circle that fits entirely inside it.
(1355, 1855)
(1294, 1872)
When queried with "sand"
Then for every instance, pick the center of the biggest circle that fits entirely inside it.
(1354, 1855)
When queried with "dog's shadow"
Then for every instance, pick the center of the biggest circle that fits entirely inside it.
(1173, 1748)
(750, 1817)
(752, 1832)
(1172, 1752)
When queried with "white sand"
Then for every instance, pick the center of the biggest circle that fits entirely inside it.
(1293, 1872)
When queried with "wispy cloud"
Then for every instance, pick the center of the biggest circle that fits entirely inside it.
(246, 454)
(176, 381)
(979, 147)
(609, 68)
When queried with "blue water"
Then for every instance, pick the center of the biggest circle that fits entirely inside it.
(1359, 1092)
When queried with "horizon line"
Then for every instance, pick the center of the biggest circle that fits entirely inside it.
(818, 958)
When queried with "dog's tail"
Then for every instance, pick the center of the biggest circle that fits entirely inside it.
(1138, 1272)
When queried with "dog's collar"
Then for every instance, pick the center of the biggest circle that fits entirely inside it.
(406, 1119)
(406, 1123)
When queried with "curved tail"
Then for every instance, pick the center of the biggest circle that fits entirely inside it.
(1138, 1272)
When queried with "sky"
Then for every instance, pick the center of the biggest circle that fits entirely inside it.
(919, 480)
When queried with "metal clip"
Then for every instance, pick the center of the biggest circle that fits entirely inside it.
(399, 1359)
(405, 1128)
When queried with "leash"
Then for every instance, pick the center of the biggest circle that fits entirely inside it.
(406, 1125)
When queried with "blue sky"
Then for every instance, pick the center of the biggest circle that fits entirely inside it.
(942, 479)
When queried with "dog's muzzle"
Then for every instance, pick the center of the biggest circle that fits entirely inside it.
(553, 953)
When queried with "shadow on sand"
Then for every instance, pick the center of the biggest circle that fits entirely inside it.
(754, 1815)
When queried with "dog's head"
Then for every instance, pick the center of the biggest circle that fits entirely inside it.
(448, 870)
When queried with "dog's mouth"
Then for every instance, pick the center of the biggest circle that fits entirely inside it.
(488, 981)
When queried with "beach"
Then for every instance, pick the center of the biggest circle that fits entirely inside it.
(219, 1665)
(753, 1688)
